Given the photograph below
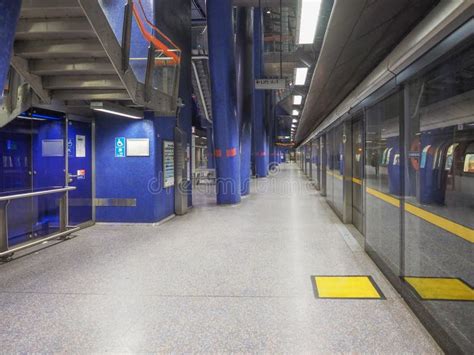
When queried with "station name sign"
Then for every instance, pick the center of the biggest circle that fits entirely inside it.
(270, 84)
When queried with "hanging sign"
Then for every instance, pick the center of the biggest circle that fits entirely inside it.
(270, 84)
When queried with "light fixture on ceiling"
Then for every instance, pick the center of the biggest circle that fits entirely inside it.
(116, 110)
(295, 112)
(308, 20)
(297, 99)
(295, 120)
(300, 76)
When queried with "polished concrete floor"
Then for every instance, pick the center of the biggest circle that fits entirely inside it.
(220, 279)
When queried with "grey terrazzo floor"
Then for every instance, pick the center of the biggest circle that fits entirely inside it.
(220, 279)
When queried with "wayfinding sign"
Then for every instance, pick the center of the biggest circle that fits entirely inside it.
(270, 84)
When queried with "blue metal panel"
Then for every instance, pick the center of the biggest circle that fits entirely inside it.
(127, 177)
(139, 178)
(244, 64)
(226, 129)
(9, 14)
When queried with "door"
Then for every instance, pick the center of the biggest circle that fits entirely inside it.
(357, 174)
(80, 172)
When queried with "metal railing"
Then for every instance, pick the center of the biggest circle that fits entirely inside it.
(5, 251)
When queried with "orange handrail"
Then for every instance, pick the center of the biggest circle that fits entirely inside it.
(154, 27)
(152, 39)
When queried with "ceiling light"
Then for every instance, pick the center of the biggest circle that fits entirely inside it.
(295, 120)
(295, 112)
(297, 99)
(308, 20)
(300, 76)
(116, 110)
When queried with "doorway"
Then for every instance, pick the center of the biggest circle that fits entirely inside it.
(357, 174)
(80, 153)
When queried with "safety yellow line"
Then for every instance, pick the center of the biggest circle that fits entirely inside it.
(387, 198)
(357, 181)
(441, 222)
(337, 176)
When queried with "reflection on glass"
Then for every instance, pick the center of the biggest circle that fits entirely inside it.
(382, 173)
(32, 159)
(439, 208)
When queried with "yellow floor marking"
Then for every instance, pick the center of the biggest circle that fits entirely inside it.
(345, 287)
(446, 289)
(441, 222)
(357, 181)
(387, 198)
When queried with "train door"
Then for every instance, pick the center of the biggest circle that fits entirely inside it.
(80, 172)
(357, 174)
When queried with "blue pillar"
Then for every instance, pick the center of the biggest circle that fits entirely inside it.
(244, 65)
(260, 149)
(226, 127)
(210, 148)
(9, 14)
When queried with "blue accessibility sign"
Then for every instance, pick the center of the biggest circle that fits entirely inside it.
(120, 147)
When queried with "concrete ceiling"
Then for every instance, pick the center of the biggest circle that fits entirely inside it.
(360, 34)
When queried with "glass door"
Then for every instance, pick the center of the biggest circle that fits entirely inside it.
(357, 174)
(80, 172)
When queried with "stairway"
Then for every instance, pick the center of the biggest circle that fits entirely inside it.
(69, 53)
(201, 84)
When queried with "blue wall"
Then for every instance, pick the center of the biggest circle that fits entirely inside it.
(133, 177)
(141, 177)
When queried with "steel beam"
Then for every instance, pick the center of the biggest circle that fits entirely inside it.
(78, 48)
(57, 28)
(91, 95)
(71, 66)
(50, 9)
(83, 82)
(35, 81)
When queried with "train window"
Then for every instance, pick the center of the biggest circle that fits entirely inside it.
(469, 159)
(423, 156)
(450, 156)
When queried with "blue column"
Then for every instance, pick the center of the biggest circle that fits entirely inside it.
(226, 127)
(210, 148)
(244, 65)
(260, 150)
(9, 14)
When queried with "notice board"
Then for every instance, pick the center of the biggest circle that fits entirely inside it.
(168, 164)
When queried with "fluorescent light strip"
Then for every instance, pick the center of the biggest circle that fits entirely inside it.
(295, 120)
(308, 20)
(295, 113)
(116, 113)
(300, 76)
(297, 99)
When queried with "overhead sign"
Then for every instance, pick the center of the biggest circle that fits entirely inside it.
(270, 84)
(120, 147)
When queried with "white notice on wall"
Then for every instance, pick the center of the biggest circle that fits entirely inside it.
(80, 146)
(138, 147)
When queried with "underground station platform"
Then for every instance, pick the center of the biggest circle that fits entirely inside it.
(237, 176)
